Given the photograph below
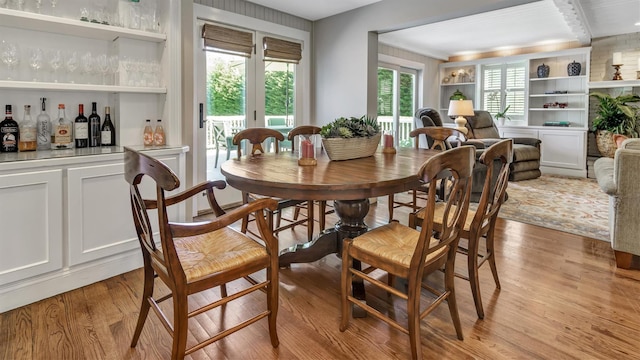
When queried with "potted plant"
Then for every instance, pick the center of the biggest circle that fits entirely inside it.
(614, 116)
(500, 116)
(351, 138)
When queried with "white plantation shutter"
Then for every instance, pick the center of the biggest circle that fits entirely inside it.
(491, 85)
(504, 85)
(515, 88)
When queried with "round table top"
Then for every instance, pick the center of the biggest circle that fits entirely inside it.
(279, 175)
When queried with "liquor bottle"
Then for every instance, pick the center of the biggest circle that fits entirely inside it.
(147, 133)
(158, 134)
(10, 132)
(81, 128)
(43, 123)
(62, 136)
(28, 132)
(94, 126)
(108, 130)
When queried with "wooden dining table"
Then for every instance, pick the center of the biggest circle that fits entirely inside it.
(349, 183)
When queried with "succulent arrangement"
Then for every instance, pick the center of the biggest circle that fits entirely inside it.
(351, 127)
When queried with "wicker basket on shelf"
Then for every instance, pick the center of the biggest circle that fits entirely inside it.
(352, 148)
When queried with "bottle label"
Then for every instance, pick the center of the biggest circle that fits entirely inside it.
(62, 134)
(44, 132)
(106, 137)
(9, 138)
(82, 130)
(28, 134)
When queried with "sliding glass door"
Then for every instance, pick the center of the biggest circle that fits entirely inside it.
(397, 101)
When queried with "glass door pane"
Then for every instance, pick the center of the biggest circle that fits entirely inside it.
(407, 108)
(225, 110)
(386, 99)
(279, 98)
(397, 102)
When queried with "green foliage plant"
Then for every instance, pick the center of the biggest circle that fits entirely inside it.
(616, 115)
(503, 113)
(351, 127)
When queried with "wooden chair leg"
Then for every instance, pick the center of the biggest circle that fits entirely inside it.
(413, 315)
(272, 300)
(322, 216)
(492, 259)
(347, 263)
(245, 220)
(449, 275)
(144, 305)
(180, 326)
(310, 219)
(474, 280)
(390, 205)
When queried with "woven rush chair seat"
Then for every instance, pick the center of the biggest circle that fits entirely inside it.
(222, 250)
(393, 245)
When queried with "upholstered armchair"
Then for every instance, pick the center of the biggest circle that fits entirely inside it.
(426, 117)
(618, 177)
(526, 151)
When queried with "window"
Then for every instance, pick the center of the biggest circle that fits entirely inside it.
(504, 85)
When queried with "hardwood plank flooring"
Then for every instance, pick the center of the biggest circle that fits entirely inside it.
(562, 298)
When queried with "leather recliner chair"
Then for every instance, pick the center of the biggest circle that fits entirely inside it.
(526, 151)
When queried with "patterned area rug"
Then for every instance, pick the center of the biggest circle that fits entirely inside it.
(572, 205)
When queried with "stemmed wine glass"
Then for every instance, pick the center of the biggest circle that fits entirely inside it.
(102, 63)
(55, 62)
(114, 66)
(9, 53)
(86, 65)
(38, 6)
(35, 61)
(3, 3)
(71, 65)
(53, 7)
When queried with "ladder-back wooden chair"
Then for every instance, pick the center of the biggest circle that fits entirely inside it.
(481, 222)
(404, 252)
(440, 141)
(194, 257)
(255, 137)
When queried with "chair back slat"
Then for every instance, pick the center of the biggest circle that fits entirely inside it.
(256, 136)
(458, 165)
(440, 136)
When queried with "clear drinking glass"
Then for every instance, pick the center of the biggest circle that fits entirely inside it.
(72, 65)
(102, 63)
(3, 3)
(114, 67)
(86, 66)
(36, 58)
(10, 55)
(55, 61)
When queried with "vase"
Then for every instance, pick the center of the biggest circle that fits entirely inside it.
(574, 69)
(605, 143)
(457, 95)
(352, 148)
(543, 71)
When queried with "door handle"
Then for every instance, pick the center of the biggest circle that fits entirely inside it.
(201, 106)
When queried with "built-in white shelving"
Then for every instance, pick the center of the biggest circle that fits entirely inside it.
(26, 85)
(613, 84)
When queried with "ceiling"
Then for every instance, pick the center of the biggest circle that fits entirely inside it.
(540, 23)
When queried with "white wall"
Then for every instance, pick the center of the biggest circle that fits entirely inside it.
(343, 47)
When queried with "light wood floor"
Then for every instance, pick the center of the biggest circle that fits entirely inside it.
(561, 298)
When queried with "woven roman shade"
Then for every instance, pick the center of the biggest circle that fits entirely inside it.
(281, 50)
(226, 40)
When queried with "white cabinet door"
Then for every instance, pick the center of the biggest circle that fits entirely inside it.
(99, 211)
(31, 236)
(563, 148)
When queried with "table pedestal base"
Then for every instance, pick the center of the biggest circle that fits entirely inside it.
(350, 225)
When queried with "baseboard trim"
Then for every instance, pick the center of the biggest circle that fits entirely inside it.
(547, 170)
(34, 289)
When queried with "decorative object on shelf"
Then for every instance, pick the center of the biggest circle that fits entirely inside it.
(458, 95)
(387, 143)
(351, 138)
(501, 116)
(615, 116)
(557, 123)
(574, 68)
(460, 109)
(556, 105)
(307, 150)
(446, 80)
(617, 64)
(543, 71)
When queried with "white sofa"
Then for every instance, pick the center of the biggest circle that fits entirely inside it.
(620, 179)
